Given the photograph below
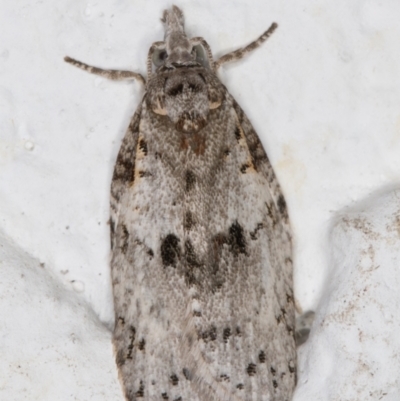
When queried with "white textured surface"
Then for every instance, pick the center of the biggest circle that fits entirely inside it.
(353, 352)
(323, 94)
(53, 347)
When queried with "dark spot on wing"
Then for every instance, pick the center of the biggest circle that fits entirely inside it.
(253, 234)
(190, 180)
(112, 232)
(281, 204)
(170, 250)
(186, 372)
(240, 386)
(238, 133)
(257, 153)
(125, 167)
(272, 213)
(244, 168)
(224, 377)
(275, 383)
(142, 344)
(226, 334)
(209, 335)
(164, 396)
(124, 238)
(132, 336)
(237, 240)
(238, 331)
(120, 359)
(251, 369)
(189, 220)
(273, 371)
(140, 392)
(150, 253)
(174, 380)
(262, 357)
(145, 174)
(197, 313)
(143, 146)
(291, 367)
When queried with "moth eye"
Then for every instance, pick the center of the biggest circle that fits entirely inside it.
(159, 57)
(200, 55)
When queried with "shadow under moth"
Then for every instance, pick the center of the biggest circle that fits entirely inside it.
(201, 244)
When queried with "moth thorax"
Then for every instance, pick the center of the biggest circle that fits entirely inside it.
(186, 102)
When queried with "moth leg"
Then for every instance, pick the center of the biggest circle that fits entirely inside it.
(200, 41)
(155, 46)
(240, 53)
(116, 75)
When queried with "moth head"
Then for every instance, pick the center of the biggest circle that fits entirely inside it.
(177, 90)
(197, 56)
(186, 96)
(177, 49)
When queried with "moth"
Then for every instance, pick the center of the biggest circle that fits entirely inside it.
(200, 238)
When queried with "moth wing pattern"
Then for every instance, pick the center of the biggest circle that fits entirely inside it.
(124, 169)
(172, 334)
(201, 308)
(201, 244)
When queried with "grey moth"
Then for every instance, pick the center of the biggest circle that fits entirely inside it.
(200, 239)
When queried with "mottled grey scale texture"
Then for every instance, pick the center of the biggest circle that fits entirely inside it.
(201, 244)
